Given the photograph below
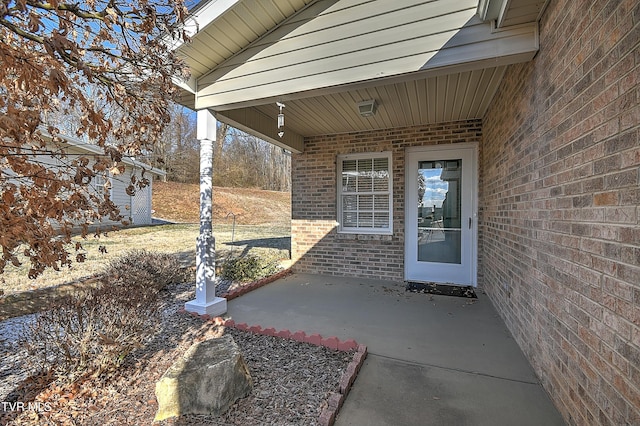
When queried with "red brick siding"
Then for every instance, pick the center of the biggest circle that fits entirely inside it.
(560, 215)
(316, 246)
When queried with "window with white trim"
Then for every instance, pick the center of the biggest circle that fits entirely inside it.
(365, 203)
(102, 185)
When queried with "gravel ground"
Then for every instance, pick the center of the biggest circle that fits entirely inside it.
(12, 370)
(292, 380)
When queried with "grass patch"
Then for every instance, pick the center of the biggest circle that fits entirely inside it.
(265, 241)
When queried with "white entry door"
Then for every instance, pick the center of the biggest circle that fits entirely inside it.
(441, 214)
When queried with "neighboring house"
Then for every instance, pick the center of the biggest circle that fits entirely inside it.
(491, 143)
(136, 208)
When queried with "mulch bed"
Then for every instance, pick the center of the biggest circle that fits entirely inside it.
(292, 381)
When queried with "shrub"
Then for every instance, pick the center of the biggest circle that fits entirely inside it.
(247, 268)
(94, 330)
(145, 268)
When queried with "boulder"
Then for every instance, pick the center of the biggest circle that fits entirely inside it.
(208, 379)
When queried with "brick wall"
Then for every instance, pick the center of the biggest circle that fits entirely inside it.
(560, 208)
(316, 246)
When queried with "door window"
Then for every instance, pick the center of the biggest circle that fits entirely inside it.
(439, 209)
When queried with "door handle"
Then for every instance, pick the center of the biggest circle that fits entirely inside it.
(470, 222)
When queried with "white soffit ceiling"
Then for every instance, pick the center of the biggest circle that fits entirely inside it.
(444, 98)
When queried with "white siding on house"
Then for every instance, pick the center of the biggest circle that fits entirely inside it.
(119, 195)
(352, 42)
(223, 29)
(424, 61)
(135, 209)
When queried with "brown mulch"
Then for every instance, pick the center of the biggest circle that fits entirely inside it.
(292, 380)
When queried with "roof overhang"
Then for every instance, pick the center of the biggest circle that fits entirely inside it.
(506, 13)
(91, 149)
(423, 61)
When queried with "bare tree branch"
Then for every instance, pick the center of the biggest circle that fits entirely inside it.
(103, 66)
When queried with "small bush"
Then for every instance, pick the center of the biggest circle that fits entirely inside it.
(247, 268)
(144, 268)
(94, 330)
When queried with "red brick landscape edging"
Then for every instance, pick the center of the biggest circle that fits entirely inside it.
(256, 284)
(336, 399)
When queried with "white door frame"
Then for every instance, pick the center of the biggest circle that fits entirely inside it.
(410, 215)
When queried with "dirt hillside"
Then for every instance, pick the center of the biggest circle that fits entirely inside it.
(180, 203)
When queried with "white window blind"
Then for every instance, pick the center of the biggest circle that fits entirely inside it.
(365, 193)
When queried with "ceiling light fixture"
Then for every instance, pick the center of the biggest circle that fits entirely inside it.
(280, 119)
(367, 108)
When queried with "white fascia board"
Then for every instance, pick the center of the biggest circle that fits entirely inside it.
(187, 85)
(489, 10)
(202, 16)
(503, 11)
(522, 40)
(74, 142)
(145, 166)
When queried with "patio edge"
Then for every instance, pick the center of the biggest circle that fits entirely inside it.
(336, 399)
(230, 295)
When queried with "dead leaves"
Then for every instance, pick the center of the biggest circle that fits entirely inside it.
(86, 70)
(292, 380)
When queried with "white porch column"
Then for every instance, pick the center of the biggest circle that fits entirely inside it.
(206, 301)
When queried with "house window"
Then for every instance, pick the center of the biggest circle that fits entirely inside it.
(102, 186)
(365, 193)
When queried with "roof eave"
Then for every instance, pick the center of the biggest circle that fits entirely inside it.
(200, 17)
(94, 149)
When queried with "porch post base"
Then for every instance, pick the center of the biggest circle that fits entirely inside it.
(215, 308)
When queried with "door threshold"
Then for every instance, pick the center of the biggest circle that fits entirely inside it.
(442, 289)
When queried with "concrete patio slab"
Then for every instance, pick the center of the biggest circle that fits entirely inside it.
(433, 360)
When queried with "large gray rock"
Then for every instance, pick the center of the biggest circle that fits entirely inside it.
(208, 379)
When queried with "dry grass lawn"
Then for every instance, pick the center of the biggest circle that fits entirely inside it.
(262, 229)
(180, 202)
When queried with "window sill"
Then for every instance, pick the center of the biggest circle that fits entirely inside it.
(342, 235)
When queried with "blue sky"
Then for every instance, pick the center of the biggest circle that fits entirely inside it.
(436, 188)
